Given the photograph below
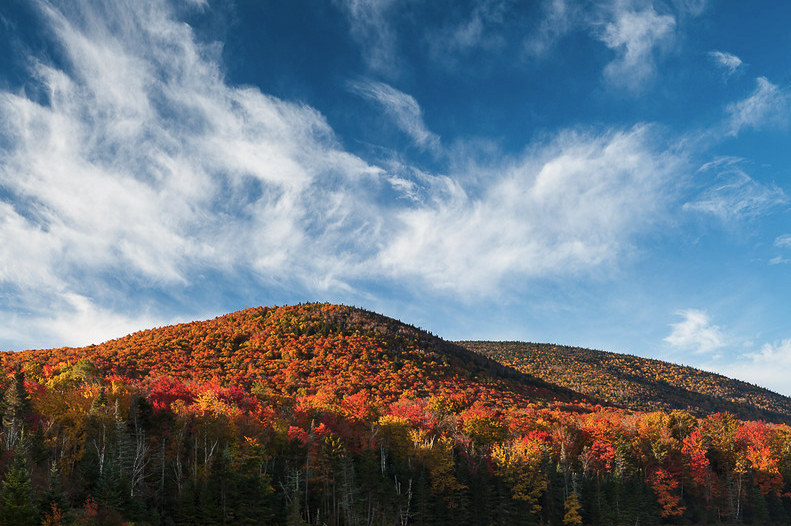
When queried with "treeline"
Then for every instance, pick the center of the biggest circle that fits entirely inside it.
(177, 453)
(637, 383)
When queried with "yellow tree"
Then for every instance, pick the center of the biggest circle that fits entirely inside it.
(572, 508)
(437, 455)
(519, 462)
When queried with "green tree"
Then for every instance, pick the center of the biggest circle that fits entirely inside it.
(15, 406)
(110, 491)
(16, 506)
(54, 504)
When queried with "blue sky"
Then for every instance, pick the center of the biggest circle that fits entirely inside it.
(610, 174)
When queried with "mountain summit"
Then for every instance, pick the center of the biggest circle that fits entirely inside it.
(304, 348)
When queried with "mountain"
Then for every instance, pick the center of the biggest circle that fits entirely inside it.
(637, 383)
(328, 414)
(303, 348)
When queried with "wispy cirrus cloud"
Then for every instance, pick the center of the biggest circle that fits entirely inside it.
(767, 105)
(733, 195)
(783, 241)
(716, 349)
(478, 30)
(143, 169)
(690, 8)
(402, 108)
(729, 62)
(368, 20)
(695, 333)
(74, 319)
(567, 207)
(639, 33)
(559, 17)
(636, 36)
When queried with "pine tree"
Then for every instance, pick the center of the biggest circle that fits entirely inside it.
(185, 510)
(100, 402)
(54, 506)
(16, 506)
(16, 406)
(110, 491)
(572, 507)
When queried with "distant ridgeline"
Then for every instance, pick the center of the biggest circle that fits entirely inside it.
(638, 383)
(327, 414)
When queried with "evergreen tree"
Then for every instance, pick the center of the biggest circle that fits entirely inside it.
(483, 496)
(185, 511)
(552, 502)
(219, 493)
(100, 402)
(54, 506)
(37, 446)
(15, 407)
(776, 510)
(110, 490)
(253, 504)
(572, 510)
(209, 506)
(756, 509)
(16, 506)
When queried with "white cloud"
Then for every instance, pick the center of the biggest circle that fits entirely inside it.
(564, 208)
(635, 36)
(144, 166)
(770, 367)
(369, 24)
(481, 29)
(727, 61)
(766, 106)
(143, 171)
(734, 195)
(401, 107)
(690, 8)
(559, 18)
(78, 322)
(783, 241)
(632, 29)
(695, 333)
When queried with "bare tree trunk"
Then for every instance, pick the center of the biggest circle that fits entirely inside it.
(101, 447)
(140, 460)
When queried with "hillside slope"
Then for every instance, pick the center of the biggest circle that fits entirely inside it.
(638, 383)
(335, 349)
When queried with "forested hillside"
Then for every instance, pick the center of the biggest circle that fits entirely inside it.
(324, 414)
(638, 383)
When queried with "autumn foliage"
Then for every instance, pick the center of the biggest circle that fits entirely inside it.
(324, 414)
(637, 383)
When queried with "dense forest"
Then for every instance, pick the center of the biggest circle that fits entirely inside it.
(325, 414)
(638, 383)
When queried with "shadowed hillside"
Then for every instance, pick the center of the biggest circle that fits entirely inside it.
(638, 383)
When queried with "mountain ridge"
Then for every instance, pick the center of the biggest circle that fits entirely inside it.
(638, 383)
